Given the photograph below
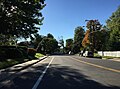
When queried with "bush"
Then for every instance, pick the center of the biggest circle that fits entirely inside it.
(22, 47)
(2, 54)
(12, 52)
(24, 50)
(31, 52)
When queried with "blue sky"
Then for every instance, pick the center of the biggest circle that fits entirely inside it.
(61, 17)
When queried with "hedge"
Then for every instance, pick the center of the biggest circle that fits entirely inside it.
(12, 52)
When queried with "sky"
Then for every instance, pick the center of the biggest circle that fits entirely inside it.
(61, 17)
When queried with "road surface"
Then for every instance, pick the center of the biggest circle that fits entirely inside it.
(68, 72)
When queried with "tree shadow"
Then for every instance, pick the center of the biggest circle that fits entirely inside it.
(56, 77)
(65, 77)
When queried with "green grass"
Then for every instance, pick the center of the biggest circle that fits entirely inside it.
(103, 57)
(38, 55)
(108, 57)
(96, 55)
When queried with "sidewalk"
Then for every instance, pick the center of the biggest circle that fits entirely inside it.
(5, 73)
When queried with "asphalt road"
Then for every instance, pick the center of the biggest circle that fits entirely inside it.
(68, 72)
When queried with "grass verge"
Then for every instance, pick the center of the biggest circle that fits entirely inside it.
(107, 57)
(96, 55)
(38, 55)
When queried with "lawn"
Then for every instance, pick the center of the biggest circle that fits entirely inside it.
(38, 55)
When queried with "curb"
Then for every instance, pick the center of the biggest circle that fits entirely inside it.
(6, 73)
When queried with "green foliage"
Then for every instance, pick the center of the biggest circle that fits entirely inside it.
(107, 57)
(78, 37)
(94, 28)
(49, 45)
(96, 55)
(24, 50)
(20, 18)
(10, 52)
(50, 36)
(93, 25)
(7, 40)
(113, 23)
(69, 45)
(99, 42)
(45, 44)
(38, 55)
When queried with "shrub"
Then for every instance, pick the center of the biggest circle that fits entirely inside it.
(13, 53)
(10, 52)
(31, 52)
(2, 54)
(22, 47)
(24, 50)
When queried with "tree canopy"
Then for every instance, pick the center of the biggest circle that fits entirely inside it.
(78, 37)
(69, 45)
(45, 44)
(113, 23)
(20, 18)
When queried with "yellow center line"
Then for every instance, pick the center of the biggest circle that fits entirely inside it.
(102, 67)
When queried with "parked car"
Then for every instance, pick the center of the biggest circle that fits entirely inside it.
(88, 54)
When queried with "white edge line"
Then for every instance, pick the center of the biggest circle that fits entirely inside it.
(41, 76)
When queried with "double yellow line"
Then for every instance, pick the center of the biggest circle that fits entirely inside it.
(98, 66)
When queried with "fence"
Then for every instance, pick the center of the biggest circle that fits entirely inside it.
(109, 53)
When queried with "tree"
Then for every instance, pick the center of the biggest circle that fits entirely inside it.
(50, 36)
(20, 18)
(8, 40)
(99, 43)
(69, 45)
(86, 42)
(49, 45)
(46, 44)
(113, 23)
(101, 40)
(78, 37)
(94, 27)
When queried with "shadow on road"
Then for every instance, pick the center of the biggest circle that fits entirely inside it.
(64, 77)
(57, 77)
